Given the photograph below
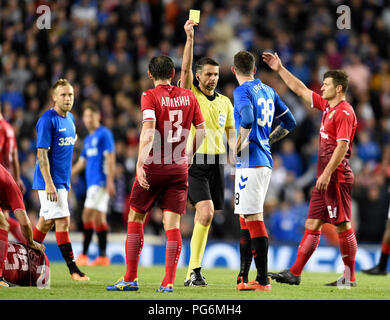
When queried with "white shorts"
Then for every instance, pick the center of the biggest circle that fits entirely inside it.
(97, 199)
(251, 185)
(54, 210)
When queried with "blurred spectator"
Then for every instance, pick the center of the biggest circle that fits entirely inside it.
(292, 161)
(367, 149)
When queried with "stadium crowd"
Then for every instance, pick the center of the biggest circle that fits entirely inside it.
(103, 47)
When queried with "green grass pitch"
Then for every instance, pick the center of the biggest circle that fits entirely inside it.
(221, 287)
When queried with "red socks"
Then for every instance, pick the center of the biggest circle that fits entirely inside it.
(3, 249)
(102, 227)
(348, 249)
(134, 244)
(62, 237)
(385, 248)
(256, 229)
(14, 228)
(306, 248)
(172, 254)
(38, 236)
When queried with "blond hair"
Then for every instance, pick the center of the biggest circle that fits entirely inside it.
(60, 83)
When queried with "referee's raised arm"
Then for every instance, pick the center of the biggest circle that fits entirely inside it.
(186, 75)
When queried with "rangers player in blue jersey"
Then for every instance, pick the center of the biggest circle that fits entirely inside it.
(98, 160)
(256, 105)
(56, 135)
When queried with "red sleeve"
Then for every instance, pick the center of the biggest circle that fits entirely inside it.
(148, 106)
(198, 116)
(15, 196)
(318, 102)
(344, 121)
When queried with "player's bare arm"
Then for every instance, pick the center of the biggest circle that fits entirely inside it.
(145, 146)
(278, 134)
(26, 228)
(16, 170)
(44, 166)
(242, 141)
(337, 156)
(295, 85)
(200, 134)
(186, 75)
(110, 173)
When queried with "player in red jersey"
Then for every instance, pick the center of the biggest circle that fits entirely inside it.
(11, 198)
(331, 198)
(26, 267)
(162, 168)
(10, 160)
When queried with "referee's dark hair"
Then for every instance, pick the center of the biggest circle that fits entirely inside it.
(203, 61)
(161, 67)
(244, 63)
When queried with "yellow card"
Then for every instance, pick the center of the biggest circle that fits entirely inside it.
(194, 15)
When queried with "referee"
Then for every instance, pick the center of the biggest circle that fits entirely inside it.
(206, 178)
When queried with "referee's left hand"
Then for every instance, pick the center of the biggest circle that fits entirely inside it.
(141, 177)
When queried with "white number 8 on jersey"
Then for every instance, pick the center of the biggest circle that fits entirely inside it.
(267, 111)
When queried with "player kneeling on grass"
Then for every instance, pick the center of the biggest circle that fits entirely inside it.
(162, 169)
(25, 266)
(11, 198)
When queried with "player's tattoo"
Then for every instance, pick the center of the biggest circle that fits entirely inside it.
(278, 134)
(43, 159)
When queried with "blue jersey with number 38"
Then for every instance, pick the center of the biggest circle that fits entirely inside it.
(266, 105)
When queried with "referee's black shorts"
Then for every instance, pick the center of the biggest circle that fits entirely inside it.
(206, 181)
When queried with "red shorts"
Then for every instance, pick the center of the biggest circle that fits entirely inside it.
(333, 205)
(172, 188)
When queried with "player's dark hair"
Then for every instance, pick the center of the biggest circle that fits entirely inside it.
(90, 106)
(60, 83)
(161, 67)
(244, 63)
(339, 77)
(203, 61)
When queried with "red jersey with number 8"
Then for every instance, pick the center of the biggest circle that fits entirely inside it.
(25, 266)
(174, 109)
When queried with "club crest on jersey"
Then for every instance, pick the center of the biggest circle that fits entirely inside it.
(331, 114)
(222, 119)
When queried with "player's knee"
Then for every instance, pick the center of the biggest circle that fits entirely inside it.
(204, 213)
(62, 224)
(206, 218)
(341, 227)
(136, 217)
(313, 224)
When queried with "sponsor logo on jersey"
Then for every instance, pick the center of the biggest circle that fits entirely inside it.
(323, 134)
(92, 152)
(222, 119)
(67, 141)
